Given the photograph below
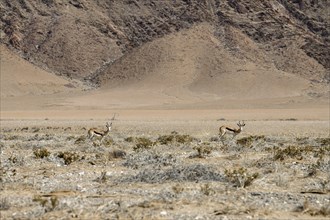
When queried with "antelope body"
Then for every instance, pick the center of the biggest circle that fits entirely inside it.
(224, 129)
(93, 132)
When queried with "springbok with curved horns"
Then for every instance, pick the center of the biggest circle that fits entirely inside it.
(94, 132)
(224, 129)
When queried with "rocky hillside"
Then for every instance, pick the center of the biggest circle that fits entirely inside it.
(97, 41)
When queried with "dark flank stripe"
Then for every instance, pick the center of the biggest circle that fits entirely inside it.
(98, 133)
(230, 129)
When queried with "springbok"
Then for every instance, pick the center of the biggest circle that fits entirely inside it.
(94, 132)
(98, 133)
(224, 129)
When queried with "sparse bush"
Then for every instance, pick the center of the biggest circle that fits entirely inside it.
(130, 139)
(4, 205)
(143, 143)
(35, 129)
(293, 152)
(166, 139)
(177, 189)
(68, 157)
(289, 119)
(11, 137)
(207, 190)
(17, 160)
(248, 141)
(40, 200)
(117, 154)
(108, 142)
(324, 141)
(184, 138)
(71, 137)
(49, 205)
(214, 139)
(41, 153)
(174, 137)
(146, 158)
(203, 150)
(314, 211)
(240, 177)
(102, 178)
(193, 173)
(79, 140)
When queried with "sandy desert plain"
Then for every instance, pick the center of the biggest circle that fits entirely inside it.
(162, 159)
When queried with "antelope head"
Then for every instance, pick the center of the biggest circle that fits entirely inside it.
(241, 125)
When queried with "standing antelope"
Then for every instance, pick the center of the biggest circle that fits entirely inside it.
(224, 129)
(101, 134)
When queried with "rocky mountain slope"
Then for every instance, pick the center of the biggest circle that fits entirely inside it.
(110, 42)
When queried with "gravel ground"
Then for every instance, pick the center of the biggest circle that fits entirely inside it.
(164, 170)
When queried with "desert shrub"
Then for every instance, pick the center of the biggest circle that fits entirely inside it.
(130, 139)
(35, 129)
(203, 150)
(174, 137)
(11, 137)
(102, 178)
(207, 190)
(248, 141)
(142, 143)
(117, 154)
(323, 141)
(184, 139)
(41, 152)
(179, 173)
(289, 119)
(68, 157)
(166, 139)
(50, 204)
(16, 159)
(4, 205)
(240, 177)
(79, 140)
(42, 201)
(321, 164)
(314, 211)
(297, 152)
(108, 142)
(177, 189)
(214, 139)
(302, 140)
(146, 158)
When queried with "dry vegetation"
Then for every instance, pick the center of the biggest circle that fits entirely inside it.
(50, 172)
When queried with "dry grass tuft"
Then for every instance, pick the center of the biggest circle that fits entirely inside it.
(240, 177)
(41, 153)
(69, 157)
(190, 173)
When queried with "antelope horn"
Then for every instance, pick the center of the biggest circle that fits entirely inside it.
(113, 117)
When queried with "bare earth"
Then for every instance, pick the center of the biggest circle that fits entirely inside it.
(163, 159)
